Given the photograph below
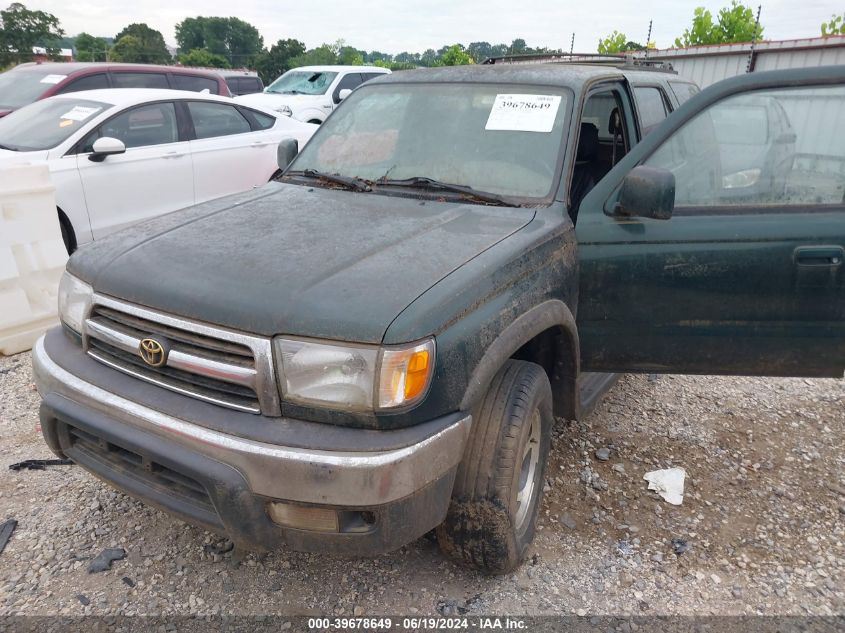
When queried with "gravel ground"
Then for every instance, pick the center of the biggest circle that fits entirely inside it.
(760, 530)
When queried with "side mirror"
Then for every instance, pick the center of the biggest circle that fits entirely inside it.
(286, 151)
(343, 94)
(647, 192)
(105, 146)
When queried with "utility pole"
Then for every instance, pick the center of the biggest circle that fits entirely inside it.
(749, 68)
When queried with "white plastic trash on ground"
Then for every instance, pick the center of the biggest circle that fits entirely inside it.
(668, 483)
(32, 255)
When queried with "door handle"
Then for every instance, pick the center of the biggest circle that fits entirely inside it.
(173, 155)
(830, 256)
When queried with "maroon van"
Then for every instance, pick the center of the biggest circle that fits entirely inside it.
(30, 82)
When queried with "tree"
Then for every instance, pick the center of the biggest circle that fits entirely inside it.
(736, 23)
(456, 55)
(429, 57)
(613, 43)
(22, 29)
(90, 49)
(836, 26)
(128, 49)
(236, 40)
(202, 57)
(618, 42)
(146, 46)
(324, 55)
(480, 51)
(275, 62)
(351, 56)
(518, 47)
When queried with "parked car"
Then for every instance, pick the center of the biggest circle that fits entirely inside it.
(378, 343)
(311, 93)
(120, 156)
(757, 146)
(242, 82)
(30, 82)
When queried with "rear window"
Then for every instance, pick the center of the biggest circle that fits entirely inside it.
(194, 83)
(683, 90)
(139, 80)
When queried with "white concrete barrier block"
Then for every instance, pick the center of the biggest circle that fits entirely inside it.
(32, 255)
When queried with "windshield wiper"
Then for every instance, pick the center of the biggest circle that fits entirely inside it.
(11, 149)
(424, 182)
(350, 182)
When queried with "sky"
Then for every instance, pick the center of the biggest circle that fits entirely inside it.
(393, 27)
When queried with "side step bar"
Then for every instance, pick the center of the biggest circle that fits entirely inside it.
(592, 387)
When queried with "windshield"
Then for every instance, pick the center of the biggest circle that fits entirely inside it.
(504, 140)
(18, 88)
(302, 82)
(44, 124)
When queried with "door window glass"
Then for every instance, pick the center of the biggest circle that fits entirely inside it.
(262, 121)
(139, 80)
(347, 82)
(216, 119)
(88, 82)
(153, 124)
(651, 106)
(194, 83)
(768, 147)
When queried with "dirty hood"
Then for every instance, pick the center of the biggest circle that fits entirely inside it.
(289, 259)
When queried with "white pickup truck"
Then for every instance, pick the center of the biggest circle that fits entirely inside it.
(311, 93)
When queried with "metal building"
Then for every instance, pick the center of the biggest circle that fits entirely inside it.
(708, 64)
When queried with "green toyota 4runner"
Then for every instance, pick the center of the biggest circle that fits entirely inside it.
(378, 343)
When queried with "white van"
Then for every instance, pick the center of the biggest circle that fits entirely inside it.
(310, 93)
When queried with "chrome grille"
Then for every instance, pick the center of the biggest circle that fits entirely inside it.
(212, 364)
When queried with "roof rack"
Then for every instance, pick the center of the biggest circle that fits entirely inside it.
(617, 61)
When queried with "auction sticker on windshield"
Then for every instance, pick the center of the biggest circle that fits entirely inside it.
(523, 113)
(79, 113)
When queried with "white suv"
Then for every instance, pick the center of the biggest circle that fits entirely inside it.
(310, 93)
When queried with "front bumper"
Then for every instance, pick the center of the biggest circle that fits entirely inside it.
(224, 481)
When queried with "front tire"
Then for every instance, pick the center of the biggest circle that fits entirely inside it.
(499, 484)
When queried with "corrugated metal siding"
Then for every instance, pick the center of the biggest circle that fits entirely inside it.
(818, 121)
(708, 64)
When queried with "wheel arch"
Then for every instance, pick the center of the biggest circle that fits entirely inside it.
(547, 335)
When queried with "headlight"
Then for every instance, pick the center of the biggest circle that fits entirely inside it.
(740, 179)
(284, 110)
(74, 301)
(354, 377)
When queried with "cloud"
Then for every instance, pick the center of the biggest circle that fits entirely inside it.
(392, 27)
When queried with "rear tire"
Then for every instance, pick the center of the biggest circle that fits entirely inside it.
(499, 484)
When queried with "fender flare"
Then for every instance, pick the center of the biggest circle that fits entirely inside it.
(308, 113)
(549, 315)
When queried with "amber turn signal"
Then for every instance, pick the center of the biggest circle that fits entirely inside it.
(405, 374)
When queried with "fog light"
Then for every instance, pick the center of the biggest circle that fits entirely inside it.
(304, 517)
